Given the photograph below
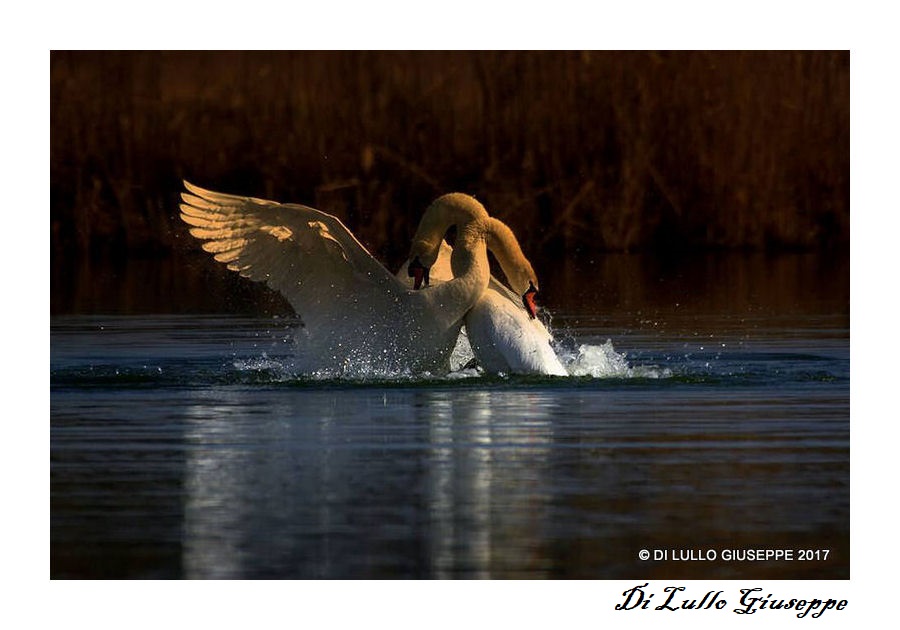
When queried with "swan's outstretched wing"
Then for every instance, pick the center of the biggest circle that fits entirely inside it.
(308, 256)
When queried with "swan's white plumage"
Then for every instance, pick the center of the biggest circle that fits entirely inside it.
(503, 338)
(353, 309)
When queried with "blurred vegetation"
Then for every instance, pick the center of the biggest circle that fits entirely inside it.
(577, 151)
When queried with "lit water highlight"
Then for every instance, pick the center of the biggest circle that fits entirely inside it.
(188, 446)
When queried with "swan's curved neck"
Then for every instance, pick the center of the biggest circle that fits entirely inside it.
(505, 247)
(471, 272)
(471, 269)
(445, 212)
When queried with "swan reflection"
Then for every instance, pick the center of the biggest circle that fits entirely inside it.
(366, 484)
(480, 470)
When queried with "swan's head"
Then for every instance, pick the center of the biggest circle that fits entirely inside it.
(418, 272)
(523, 282)
(443, 213)
(519, 272)
(422, 256)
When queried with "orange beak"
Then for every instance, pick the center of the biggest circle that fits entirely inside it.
(528, 300)
(418, 272)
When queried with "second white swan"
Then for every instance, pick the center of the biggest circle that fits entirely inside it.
(502, 326)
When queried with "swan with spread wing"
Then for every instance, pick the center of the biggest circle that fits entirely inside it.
(354, 311)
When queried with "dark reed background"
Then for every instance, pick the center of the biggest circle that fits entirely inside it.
(580, 152)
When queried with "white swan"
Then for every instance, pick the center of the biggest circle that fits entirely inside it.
(502, 326)
(354, 312)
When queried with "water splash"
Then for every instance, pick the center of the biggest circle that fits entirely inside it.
(359, 369)
(580, 360)
(462, 355)
(604, 362)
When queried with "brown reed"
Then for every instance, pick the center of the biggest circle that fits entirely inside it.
(583, 151)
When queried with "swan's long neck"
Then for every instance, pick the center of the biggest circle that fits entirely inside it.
(471, 269)
(445, 212)
(505, 247)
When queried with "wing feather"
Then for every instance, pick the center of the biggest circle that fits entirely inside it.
(221, 246)
(307, 255)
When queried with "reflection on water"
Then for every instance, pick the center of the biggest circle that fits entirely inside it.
(181, 447)
(496, 480)
(482, 474)
(462, 491)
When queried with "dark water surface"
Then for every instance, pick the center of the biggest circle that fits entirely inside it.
(711, 412)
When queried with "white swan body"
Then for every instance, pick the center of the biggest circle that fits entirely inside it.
(503, 336)
(354, 311)
(504, 339)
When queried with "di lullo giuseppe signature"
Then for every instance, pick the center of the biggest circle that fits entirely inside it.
(752, 600)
